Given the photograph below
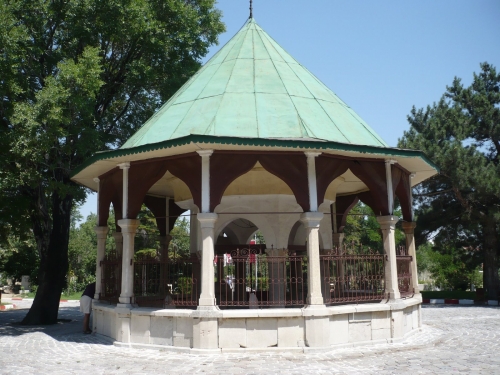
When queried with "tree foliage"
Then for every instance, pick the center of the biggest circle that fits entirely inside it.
(460, 207)
(362, 228)
(80, 76)
(450, 269)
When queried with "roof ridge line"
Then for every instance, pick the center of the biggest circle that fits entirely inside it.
(307, 88)
(279, 75)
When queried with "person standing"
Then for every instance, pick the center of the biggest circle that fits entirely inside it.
(86, 306)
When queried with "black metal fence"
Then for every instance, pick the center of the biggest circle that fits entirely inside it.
(403, 261)
(166, 283)
(352, 274)
(111, 277)
(252, 279)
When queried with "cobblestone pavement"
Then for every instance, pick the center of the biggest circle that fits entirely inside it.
(454, 339)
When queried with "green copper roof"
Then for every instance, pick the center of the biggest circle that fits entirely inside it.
(252, 88)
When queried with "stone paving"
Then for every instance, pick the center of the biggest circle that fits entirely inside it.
(454, 339)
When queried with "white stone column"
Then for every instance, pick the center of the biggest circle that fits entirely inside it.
(311, 222)
(207, 224)
(118, 243)
(409, 228)
(125, 167)
(101, 233)
(388, 226)
(129, 227)
(205, 179)
(311, 179)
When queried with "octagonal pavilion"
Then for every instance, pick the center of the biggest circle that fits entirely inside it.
(254, 141)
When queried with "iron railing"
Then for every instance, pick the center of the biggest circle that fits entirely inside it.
(403, 261)
(166, 283)
(250, 278)
(111, 277)
(352, 274)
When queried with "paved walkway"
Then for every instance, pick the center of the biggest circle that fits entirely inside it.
(455, 339)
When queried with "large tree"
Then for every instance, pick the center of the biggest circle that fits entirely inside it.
(76, 77)
(461, 134)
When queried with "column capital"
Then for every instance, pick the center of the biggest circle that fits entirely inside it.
(387, 222)
(311, 219)
(205, 153)
(390, 161)
(409, 226)
(128, 225)
(101, 232)
(311, 154)
(125, 165)
(96, 180)
(207, 219)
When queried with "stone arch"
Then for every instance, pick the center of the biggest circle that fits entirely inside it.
(232, 238)
(297, 236)
(260, 223)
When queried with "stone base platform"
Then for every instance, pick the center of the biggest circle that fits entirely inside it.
(214, 330)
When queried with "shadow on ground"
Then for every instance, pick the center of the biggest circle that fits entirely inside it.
(67, 329)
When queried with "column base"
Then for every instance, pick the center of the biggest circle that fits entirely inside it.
(207, 302)
(125, 300)
(208, 308)
(124, 305)
(393, 295)
(315, 301)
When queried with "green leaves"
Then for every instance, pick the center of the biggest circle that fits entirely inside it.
(78, 77)
(461, 134)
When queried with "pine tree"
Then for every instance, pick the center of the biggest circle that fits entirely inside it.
(461, 134)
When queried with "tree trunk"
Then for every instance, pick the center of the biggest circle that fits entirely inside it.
(53, 262)
(490, 265)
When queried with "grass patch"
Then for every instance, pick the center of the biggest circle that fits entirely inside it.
(452, 294)
(75, 295)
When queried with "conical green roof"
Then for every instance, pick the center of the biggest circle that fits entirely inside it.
(252, 88)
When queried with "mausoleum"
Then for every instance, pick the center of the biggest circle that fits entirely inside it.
(255, 142)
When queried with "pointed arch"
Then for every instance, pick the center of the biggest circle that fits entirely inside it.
(371, 173)
(327, 170)
(344, 205)
(291, 168)
(402, 189)
(110, 191)
(157, 205)
(224, 169)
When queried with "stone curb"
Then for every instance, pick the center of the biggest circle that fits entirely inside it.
(451, 301)
(31, 299)
(7, 307)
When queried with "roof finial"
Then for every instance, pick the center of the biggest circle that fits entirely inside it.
(251, 10)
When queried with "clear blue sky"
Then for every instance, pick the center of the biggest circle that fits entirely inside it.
(381, 57)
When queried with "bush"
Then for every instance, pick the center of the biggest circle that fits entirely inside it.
(448, 270)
